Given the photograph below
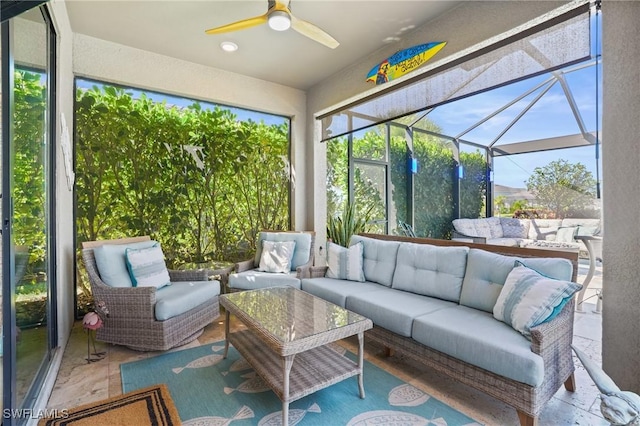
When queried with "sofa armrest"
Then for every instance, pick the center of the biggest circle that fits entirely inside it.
(477, 240)
(554, 337)
(126, 302)
(315, 271)
(245, 265)
(303, 271)
(188, 275)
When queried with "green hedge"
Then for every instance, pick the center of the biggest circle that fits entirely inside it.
(433, 183)
(198, 180)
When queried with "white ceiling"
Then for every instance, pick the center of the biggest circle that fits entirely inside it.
(176, 28)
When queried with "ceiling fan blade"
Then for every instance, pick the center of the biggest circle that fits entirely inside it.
(309, 30)
(240, 25)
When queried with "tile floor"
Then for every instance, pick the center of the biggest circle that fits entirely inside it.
(79, 382)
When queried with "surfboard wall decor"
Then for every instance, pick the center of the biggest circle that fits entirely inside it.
(403, 62)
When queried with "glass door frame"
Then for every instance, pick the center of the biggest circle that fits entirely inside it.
(8, 255)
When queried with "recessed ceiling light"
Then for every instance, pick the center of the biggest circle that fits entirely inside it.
(228, 46)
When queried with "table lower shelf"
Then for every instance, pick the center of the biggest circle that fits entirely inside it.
(312, 370)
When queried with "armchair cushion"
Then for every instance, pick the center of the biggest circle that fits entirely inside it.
(276, 256)
(146, 267)
(111, 262)
(181, 297)
(254, 279)
(301, 253)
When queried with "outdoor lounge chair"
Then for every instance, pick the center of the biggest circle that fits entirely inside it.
(184, 307)
(247, 276)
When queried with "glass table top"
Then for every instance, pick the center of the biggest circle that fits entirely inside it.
(288, 313)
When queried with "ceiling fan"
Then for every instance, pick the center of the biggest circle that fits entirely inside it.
(280, 18)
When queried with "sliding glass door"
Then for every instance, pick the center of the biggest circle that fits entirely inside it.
(28, 316)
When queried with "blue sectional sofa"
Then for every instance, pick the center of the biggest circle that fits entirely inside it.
(433, 301)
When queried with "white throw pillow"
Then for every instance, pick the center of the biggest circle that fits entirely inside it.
(528, 298)
(147, 268)
(276, 256)
(345, 263)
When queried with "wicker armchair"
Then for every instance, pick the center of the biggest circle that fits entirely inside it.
(249, 266)
(132, 320)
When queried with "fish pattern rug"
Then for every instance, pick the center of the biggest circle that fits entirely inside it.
(210, 390)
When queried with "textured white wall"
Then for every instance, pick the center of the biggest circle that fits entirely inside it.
(621, 193)
(466, 25)
(116, 63)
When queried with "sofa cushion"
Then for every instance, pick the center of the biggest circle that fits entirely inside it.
(301, 253)
(147, 267)
(394, 309)
(112, 265)
(543, 229)
(514, 228)
(477, 338)
(509, 242)
(379, 259)
(487, 272)
(565, 234)
(182, 296)
(474, 227)
(254, 279)
(430, 270)
(276, 256)
(495, 227)
(528, 298)
(581, 222)
(337, 291)
(465, 226)
(345, 263)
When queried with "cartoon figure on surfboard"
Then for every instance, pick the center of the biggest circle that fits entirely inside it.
(403, 62)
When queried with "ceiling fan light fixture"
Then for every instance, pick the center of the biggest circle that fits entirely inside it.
(279, 20)
(228, 46)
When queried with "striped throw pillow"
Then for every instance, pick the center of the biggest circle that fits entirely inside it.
(529, 298)
(345, 263)
(147, 268)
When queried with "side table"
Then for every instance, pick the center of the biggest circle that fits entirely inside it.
(215, 271)
(593, 244)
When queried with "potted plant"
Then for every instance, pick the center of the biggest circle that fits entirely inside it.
(341, 228)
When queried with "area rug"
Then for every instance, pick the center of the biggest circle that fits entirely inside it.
(210, 390)
(150, 406)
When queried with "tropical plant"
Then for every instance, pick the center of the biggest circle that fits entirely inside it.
(564, 188)
(341, 228)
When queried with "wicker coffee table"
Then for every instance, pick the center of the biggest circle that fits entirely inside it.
(286, 340)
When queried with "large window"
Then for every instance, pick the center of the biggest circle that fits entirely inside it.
(200, 178)
(524, 143)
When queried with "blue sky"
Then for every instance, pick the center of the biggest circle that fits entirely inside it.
(550, 117)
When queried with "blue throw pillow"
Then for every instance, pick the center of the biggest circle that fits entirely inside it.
(528, 298)
(147, 268)
(112, 264)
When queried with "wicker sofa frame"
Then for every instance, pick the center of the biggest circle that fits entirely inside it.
(551, 340)
(132, 321)
(248, 265)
